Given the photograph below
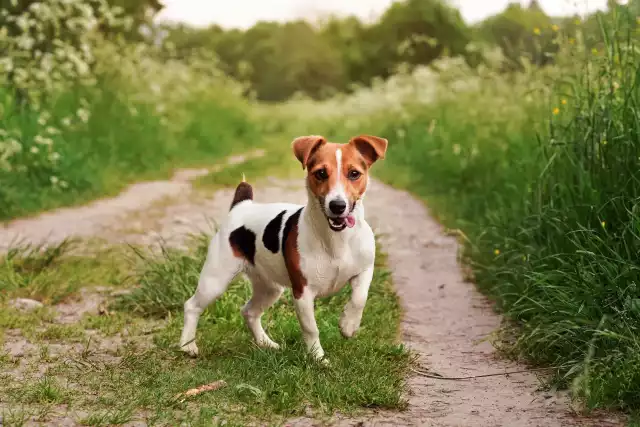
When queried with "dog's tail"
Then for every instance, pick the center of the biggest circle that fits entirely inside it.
(244, 191)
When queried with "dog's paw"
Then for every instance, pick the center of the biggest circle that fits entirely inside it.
(267, 342)
(191, 349)
(349, 326)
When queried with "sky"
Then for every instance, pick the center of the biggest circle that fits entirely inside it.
(244, 13)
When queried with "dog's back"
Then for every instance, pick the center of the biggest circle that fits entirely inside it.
(257, 233)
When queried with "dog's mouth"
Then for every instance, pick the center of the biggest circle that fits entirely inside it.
(341, 223)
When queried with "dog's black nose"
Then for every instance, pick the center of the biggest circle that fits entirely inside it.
(337, 207)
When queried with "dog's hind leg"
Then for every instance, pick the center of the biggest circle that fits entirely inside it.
(264, 296)
(219, 269)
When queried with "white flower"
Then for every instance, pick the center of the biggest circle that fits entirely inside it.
(43, 141)
(34, 150)
(54, 180)
(83, 115)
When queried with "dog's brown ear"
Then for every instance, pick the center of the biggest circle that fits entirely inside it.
(305, 146)
(371, 147)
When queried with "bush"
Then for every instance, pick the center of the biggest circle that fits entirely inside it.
(87, 115)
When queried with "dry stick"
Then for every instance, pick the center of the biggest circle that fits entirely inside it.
(439, 377)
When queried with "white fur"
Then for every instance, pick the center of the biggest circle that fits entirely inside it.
(338, 191)
(328, 260)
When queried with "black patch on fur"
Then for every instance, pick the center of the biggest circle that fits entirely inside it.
(291, 221)
(270, 238)
(244, 191)
(244, 241)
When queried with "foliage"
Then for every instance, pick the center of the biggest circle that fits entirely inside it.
(539, 170)
(280, 60)
(72, 102)
(523, 34)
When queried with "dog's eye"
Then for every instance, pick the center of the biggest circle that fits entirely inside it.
(321, 174)
(354, 174)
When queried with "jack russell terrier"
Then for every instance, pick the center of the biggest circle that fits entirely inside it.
(313, 249)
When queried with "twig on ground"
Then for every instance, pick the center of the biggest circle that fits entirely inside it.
(216, 385)
(471, 377)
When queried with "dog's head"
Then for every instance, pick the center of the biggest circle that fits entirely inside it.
(337, 174)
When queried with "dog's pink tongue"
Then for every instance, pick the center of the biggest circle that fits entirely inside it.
(351, 221)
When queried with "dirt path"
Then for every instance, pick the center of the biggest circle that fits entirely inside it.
(444, 316)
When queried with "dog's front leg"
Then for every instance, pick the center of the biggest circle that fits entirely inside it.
(305, 310)
(352, 314)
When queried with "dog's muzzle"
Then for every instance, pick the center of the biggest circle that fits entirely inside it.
(338, 216)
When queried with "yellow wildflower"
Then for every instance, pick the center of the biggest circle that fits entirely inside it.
(556, 111)
(496, 251)
(536, 31)
(564, 102)
(554, 27)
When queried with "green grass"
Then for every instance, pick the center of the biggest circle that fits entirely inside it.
(549, 201)
(52, 273)
(278, 162)
(368, 371)
(121, 141)
(69, 365)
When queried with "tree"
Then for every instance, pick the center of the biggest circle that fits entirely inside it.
(522, 32)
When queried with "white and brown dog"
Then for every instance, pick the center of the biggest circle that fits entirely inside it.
(313, 249)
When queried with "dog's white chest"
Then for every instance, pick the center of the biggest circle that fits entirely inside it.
(327, 274)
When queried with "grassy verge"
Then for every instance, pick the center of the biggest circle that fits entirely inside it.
(51, 274)
(547, 194)
(74, 364)
(279, 162)
(70, 154)
(365, 372)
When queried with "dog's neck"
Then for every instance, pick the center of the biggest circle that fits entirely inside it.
(315, 219)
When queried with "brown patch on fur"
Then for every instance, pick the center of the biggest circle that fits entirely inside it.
(244, 191)
(323, 158)
(305, 146)
(371, 147)
(292, 255)
(353, 160)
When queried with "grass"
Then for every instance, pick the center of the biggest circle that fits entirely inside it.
(141, 377)
(366, 372)
(278, 162)
(52, 273)
(127, 358)
(546, 189)
(95, 157)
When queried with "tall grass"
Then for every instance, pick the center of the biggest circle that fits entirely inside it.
(552, 214)
(541, 172)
